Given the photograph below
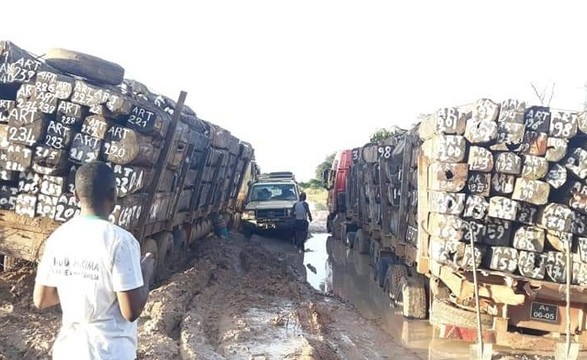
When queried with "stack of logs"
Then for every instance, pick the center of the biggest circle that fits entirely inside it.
(52, 122)
(515, 176)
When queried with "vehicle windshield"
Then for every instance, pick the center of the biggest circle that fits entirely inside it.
(267, 192)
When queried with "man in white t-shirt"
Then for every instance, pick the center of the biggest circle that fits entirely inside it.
(94, 270)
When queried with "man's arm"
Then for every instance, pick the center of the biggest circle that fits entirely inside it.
(131, 277)
(308, 210)
(45, 296)
(132, 302)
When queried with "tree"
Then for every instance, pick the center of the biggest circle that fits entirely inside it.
(324, 165)
(382, 134)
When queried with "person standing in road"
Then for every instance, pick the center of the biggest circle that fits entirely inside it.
(302, 214)
(93, 269)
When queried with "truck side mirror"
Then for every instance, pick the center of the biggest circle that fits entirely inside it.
(326, 179)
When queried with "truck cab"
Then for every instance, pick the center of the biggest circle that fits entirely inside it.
(334, 180)
(269, 203)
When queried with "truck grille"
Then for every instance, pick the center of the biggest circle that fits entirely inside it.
(271, 213)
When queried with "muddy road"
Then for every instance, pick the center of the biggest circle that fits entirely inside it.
(237, 299)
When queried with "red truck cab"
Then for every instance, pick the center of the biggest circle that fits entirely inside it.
(334, 180)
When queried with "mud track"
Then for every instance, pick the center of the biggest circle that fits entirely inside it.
(235, 300)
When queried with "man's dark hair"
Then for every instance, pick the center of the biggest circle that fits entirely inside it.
(94, 182)
(302, 196)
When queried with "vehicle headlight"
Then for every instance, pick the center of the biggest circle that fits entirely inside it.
(248, 214)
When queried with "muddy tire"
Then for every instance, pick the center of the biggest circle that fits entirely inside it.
(336, 226)
(396, 275)
(444, 313)
(361, 242)
(180, 245)
(86, 66)
(150, 246)
(166, 255)
(350, 239)
(414, 299)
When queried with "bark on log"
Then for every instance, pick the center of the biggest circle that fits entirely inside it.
(96, 126)
(508, 163)
(557, 176)
(26, 205)
(16, 65)
(481, 132)
(503, 184)
(447, 177)
(131, 179)
(558, 239)
(529, 238)
(480, 159)
(46, 206)
(531, 264)
(512, 111)
(556, 217)
(58, 84)
(555, 266)
(84, 148)
(479, 183)
(8, 195)
(124, 146)
(446, 203)
(503, 208)
(49, 161)
(509, 136)
(527, 214)
(579, 224)
(581, 249)
(18, 158)
(535, 143)
(534, 167)
(67, 207)
(579, 274)
(577, 198)
(446, 121)
(476, 207)
(563, 124)
(58, 136)
(52, 185)
(576, 162)
(464, 260)
(128, 211)
(70, 114)
(498, 233)
(503, 259)
(148, 121)
(556, 149)
(537, 118)
(445, 148)
(446, 227)
(531, 191)
(6, 107)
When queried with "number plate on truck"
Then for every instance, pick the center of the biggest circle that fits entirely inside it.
(544, 312)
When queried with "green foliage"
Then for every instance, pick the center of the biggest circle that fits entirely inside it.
(380, 135)
(312, 184)
(326, 164)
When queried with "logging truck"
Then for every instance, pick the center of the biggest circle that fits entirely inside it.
(492, 189)
(175, 172)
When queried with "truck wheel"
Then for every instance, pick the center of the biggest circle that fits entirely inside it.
(396, 275)
(180, 245)
(414, 299)
(86, 66)
(383, 264)
(166, 255)
(151, 246)
(361, 242)
(444, 313)
(350, 239)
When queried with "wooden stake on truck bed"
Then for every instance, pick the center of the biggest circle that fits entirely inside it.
(160, 165)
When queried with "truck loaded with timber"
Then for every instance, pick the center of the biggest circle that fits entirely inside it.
(495, 187)
(175, 172)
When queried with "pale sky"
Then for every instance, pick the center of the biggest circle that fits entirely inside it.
(302, 79)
